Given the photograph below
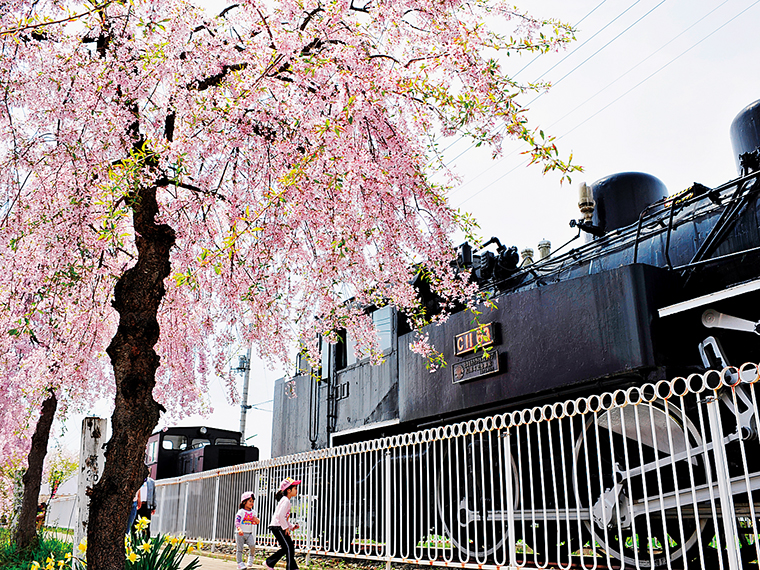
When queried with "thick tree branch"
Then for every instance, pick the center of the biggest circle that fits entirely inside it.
(309, 16)
(223, 13)
(216, 80)
(165, 181)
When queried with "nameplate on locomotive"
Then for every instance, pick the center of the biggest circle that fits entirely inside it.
(475, 367)
(480, 337)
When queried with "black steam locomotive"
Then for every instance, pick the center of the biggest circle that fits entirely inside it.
(177, 451)
(653, 287)
(654, 276)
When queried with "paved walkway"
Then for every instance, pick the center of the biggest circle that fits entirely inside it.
(209, 563)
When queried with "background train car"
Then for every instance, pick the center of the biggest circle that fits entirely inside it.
(178, 451)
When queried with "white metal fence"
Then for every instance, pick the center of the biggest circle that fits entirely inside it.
(660, 475)
(62, 512)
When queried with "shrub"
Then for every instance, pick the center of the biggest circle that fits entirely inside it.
(11, 558)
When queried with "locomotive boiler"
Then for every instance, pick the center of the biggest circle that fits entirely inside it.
(623, 307)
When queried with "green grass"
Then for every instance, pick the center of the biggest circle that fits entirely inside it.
(11, 558)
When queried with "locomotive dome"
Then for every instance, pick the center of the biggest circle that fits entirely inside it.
(620, 198)
(745, 132)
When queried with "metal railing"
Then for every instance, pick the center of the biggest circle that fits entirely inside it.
(659, 475)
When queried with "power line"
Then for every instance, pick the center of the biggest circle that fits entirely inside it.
(618, 98)
(538, 56)
(523, 163)
(577, 66)
(661, 68)
(607, 25)
(638, 64)
(574, 26)
(605, 45)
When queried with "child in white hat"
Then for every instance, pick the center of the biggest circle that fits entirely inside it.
(244, 521)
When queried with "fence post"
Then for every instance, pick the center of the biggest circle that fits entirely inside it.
(259, 510)
(510, 500)
(216, 510)
(184, 516)
(388, 551)
(309, 510)
(724, 484)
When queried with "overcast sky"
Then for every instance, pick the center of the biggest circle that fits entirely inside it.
(649, 85)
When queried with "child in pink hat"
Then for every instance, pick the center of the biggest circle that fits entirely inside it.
(281, 526)
(244, 521)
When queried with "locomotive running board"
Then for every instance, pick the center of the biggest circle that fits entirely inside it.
(710, 298)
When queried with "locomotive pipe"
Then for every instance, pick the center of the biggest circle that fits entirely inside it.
(495, 240)
(544, 248)
(717, 259)
(586, 203)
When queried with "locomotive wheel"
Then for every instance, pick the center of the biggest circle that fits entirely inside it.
(470, 496)
(610, 447)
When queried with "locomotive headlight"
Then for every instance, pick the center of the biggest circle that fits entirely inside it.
(203, 431)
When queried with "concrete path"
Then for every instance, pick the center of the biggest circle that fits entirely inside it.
(209, 563)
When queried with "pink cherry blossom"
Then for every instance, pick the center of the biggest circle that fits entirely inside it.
(292, 146)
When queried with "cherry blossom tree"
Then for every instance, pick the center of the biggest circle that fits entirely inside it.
(168, 176)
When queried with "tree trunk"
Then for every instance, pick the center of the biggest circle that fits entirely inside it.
(27, 527)
(137, 296)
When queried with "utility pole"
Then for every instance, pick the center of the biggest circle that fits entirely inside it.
(244, 366)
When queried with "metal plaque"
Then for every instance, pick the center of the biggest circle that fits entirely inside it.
(476, 367)
(471, 340)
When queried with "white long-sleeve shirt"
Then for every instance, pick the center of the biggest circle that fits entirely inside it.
(244, 520)
(282, 514)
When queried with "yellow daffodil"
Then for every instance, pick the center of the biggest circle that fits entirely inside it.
(190, 549)
(142, 523)
(82, 546)
(35, 566)
(132, 556)
(200, 545)
(145, 546)
(174, 540)
(61, 563)
(68, 556)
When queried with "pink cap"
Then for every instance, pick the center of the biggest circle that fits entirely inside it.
(245, 496)
(288, 482)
